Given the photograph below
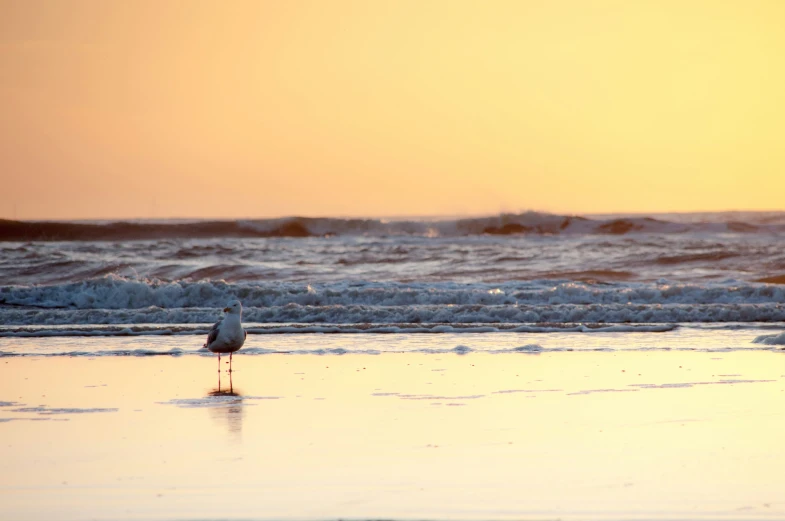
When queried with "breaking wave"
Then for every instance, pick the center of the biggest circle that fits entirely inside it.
(117, 300)
(120, 293)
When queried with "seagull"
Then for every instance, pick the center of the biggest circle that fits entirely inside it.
(227, 335)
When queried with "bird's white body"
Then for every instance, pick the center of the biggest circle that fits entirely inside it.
(231, 336)
(228, 335)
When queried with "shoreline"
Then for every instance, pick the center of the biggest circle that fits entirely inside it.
(578, 435)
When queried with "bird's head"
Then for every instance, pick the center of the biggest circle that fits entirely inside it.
(234, 307)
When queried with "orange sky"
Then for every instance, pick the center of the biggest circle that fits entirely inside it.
(370, 107)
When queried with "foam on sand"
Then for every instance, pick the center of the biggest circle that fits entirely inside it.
(510, 342)
(771, 340)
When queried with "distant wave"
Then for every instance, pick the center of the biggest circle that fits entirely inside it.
(528, 223)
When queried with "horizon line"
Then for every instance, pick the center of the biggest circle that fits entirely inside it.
(433, 217)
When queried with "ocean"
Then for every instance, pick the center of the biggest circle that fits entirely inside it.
(525, 273)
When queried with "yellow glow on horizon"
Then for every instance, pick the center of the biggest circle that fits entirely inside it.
(262, 108)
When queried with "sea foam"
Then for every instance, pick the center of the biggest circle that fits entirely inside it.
(118, 300)
(771, 340)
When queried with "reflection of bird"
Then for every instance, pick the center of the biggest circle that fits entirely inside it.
(227, 335)
(227, 406)
(223, 392)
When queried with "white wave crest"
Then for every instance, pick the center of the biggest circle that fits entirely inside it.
(121, 293)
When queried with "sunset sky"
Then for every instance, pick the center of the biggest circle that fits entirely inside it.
(123, 109)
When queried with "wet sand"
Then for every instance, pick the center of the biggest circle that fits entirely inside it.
(636, 435)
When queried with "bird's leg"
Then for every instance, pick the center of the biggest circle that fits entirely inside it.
(230, 362)
(219, 362)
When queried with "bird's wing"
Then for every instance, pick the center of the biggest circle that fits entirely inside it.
(213, 334)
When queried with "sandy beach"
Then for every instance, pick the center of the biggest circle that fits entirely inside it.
(574, 435)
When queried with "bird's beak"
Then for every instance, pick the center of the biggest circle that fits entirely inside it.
(227, 310)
